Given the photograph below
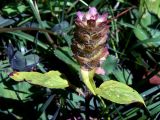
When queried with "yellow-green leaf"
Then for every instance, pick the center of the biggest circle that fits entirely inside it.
(51, 79)
(118, 92)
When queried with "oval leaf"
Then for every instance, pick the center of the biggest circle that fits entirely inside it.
(140, 33)
(51, 79)
(118, 92)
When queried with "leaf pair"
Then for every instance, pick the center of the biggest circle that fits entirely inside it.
(111, 90)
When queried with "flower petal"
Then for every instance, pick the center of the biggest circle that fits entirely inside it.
(92, 11)
(80, 15)
(100, 71)
(102, 18)
(92, 14)
(105, 54)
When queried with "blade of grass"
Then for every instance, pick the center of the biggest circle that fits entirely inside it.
(30, 38)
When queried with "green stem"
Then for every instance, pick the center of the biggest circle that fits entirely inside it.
(102, 101)
(87, 77)
(114, 27)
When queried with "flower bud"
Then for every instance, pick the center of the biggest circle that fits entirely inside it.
(90, 38)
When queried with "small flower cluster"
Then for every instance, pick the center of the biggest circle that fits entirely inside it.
(90, 38)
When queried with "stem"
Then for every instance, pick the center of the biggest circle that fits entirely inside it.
(87, 101)
(26, 29)
(87, 77)
(102, 101)
(31, 29)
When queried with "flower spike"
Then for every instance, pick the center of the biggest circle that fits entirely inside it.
(90, 38)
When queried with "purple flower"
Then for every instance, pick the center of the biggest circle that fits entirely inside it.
(92, 11)
(90, 38)
(92, 14)
(80, 15)
(102, 18)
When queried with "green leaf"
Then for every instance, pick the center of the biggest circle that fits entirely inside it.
(95, 2)
(151, 5)
(74, 100)
(51, 79)
(13, 9)
(123, 75)
(141, 33)
(110, 64)
(19, 91)
(147, 19)
(21, 8)
(8, 89)
(147, 42)
(29, 38)
(118, 92)
(9, 10)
